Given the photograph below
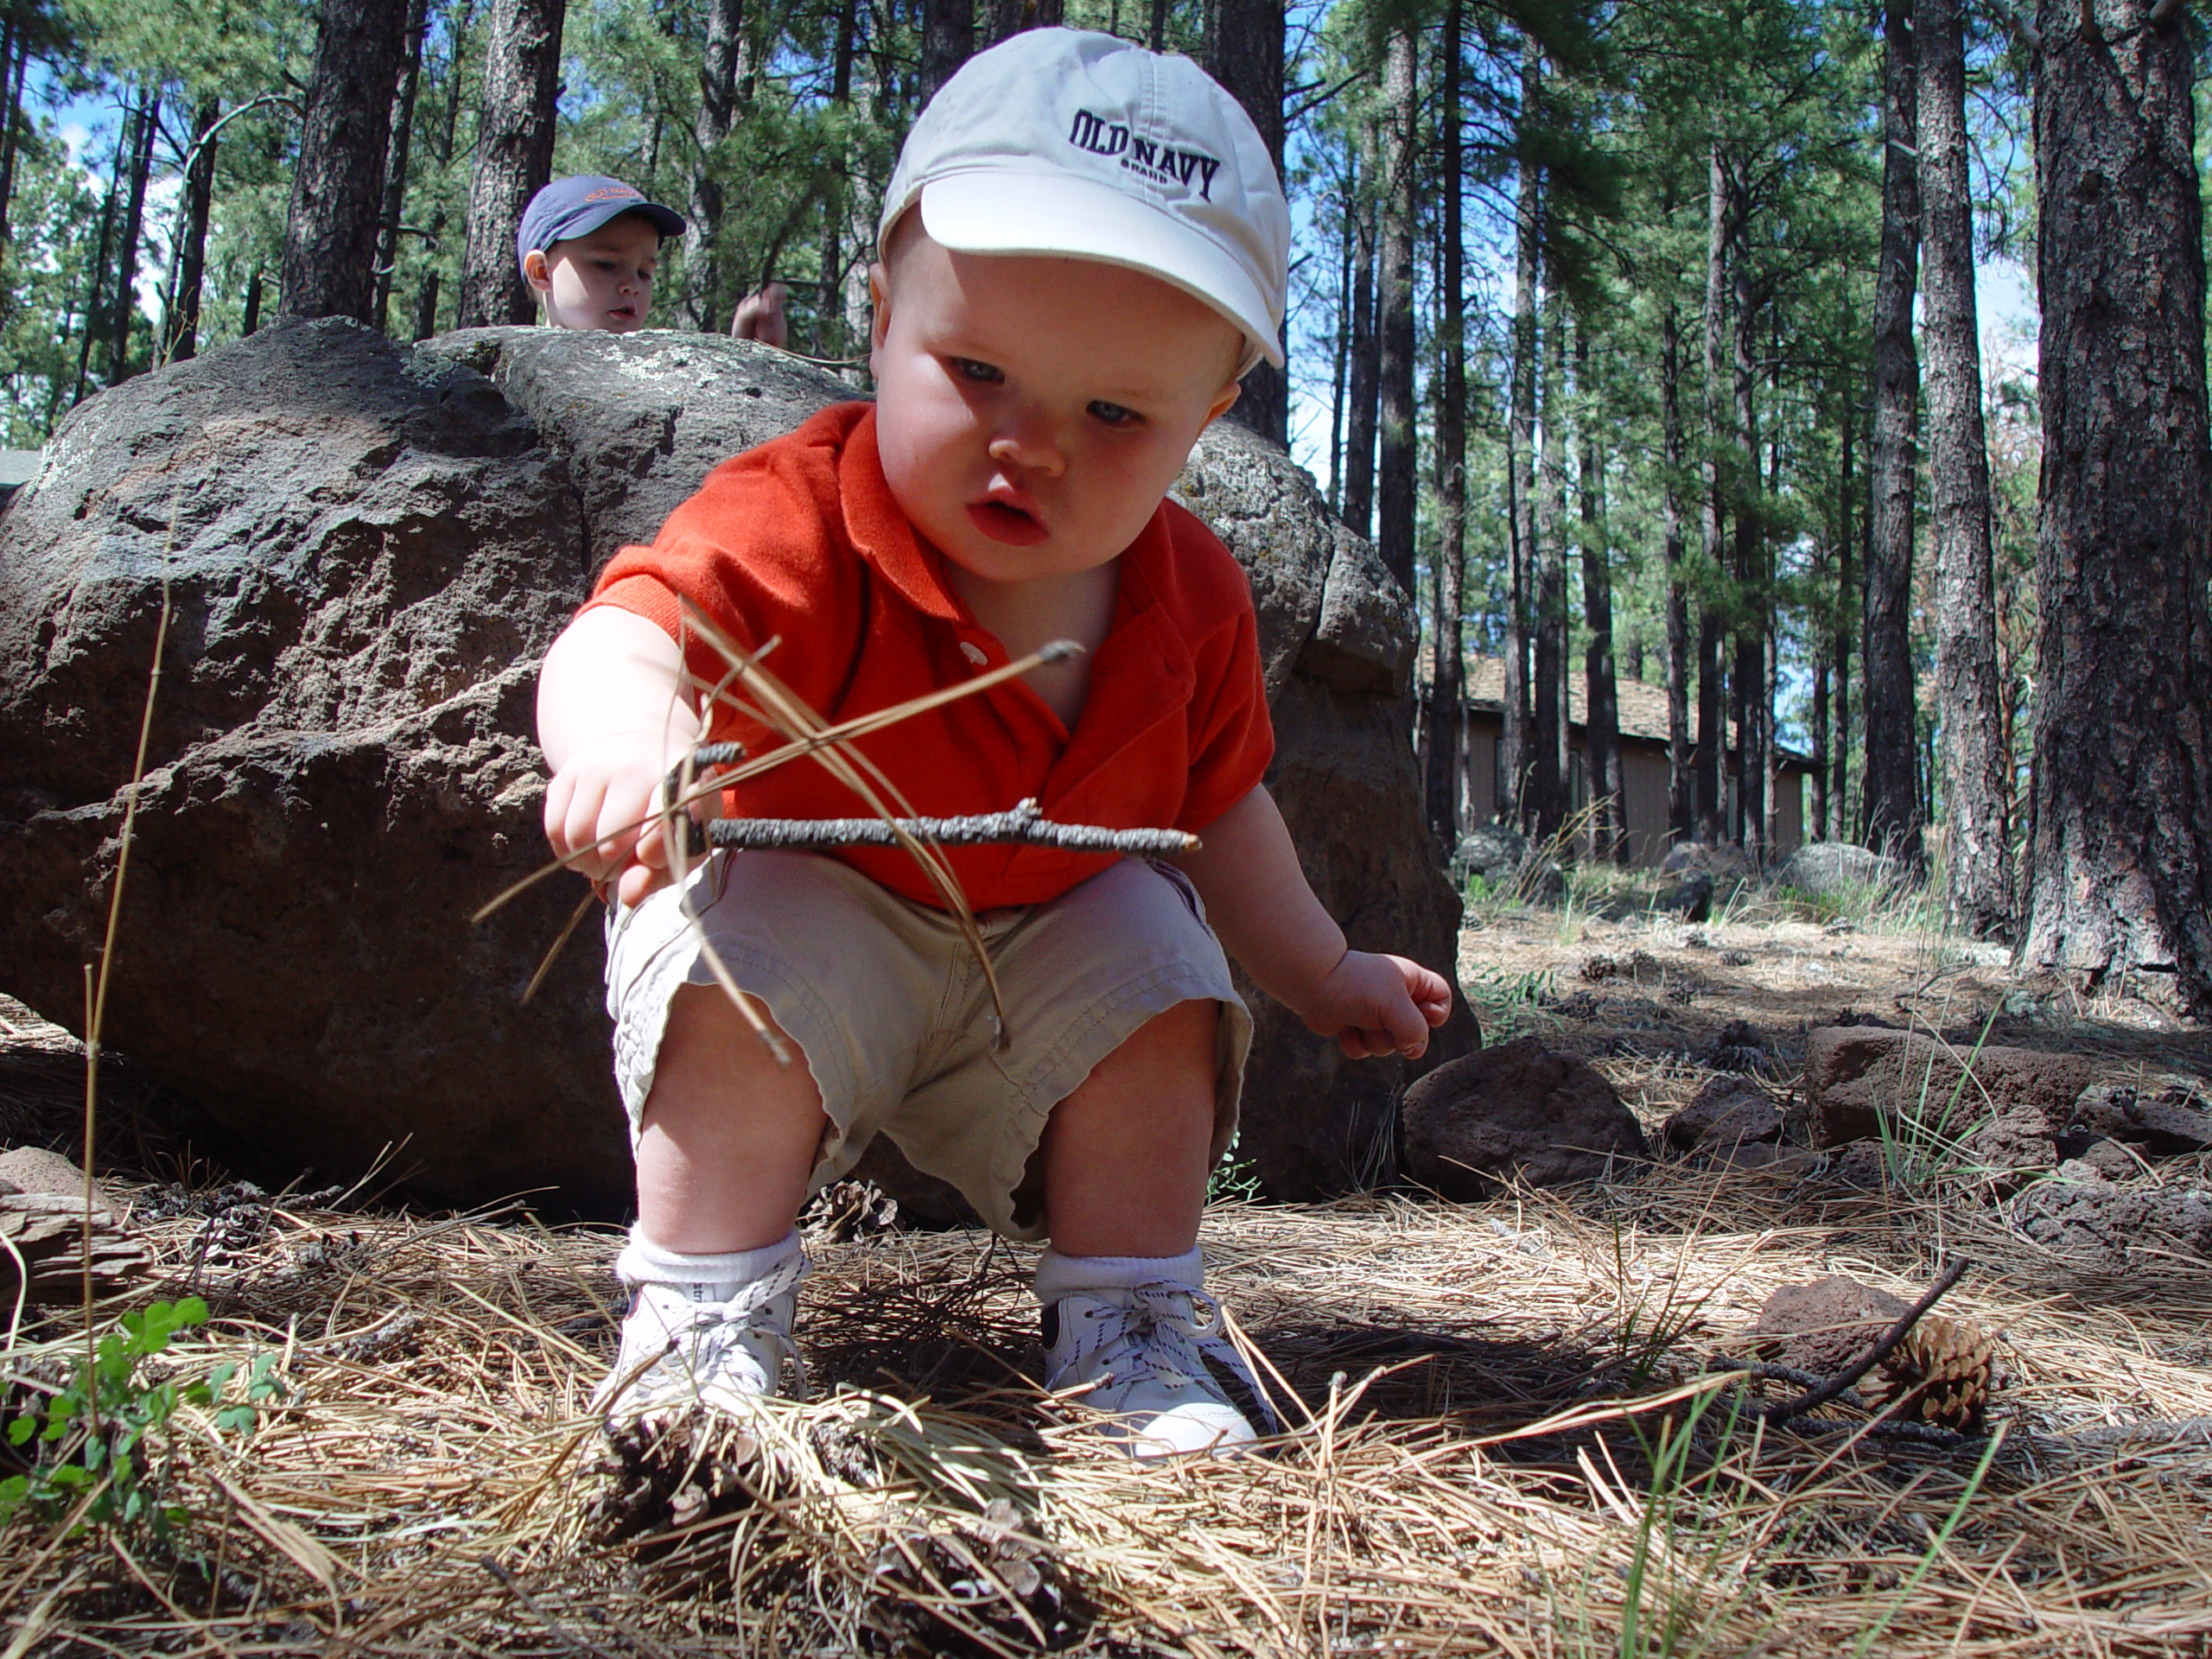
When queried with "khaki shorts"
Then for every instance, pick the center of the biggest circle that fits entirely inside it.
(886, 1000)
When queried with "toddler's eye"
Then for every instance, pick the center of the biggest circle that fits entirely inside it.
(981, 374)
(1114, 414)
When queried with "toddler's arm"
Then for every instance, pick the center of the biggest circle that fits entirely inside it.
(1267, 918)
(611, 721)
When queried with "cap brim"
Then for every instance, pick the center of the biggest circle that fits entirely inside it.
(1055, 216)
(666, 220)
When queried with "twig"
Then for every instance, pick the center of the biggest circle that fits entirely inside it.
(1768, 1372)
(1023, 824)
(1836, 1385)
(574, 1643)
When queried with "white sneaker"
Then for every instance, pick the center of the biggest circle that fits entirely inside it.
(1145, 1353)
(680, 1348)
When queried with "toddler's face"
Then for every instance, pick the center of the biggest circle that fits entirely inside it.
(602, 280)
(1031, 412)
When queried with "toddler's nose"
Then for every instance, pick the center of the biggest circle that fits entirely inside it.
(1030, 449)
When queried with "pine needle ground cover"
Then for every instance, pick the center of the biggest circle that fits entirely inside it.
(1507, 1431)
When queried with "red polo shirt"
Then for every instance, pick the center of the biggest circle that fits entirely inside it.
(800, 541)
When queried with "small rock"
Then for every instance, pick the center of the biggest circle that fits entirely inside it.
(1823, 1326)
(2167, 1125)
(1722, 860)
(1822, 869)
(34, 1169)
(1727, 1113)
(2099, 1226)
(1693, 899)
(1516, 1112)
(2107, 1160)
(1863, 1164)
(1857, 1077)
(1767, 1155)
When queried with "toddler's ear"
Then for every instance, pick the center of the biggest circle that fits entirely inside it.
(537, 272)
(879, 299)
(1226, 402)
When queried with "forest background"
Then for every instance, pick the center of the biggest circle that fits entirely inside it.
(1641, 335)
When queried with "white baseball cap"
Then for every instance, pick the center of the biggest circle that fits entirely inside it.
(1081, 146)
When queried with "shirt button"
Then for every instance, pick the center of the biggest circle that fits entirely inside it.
(974, 653)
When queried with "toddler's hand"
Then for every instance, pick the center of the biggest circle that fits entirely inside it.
(1375, 1004)
(593, 809)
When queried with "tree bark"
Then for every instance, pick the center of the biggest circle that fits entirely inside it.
(1340, 404)
(1395, 470)
(1366, 381)
(396, 157)
(514, 154)
(1752, 600)
(1978, 855)
(1520, 451)
(1890, 799)
(1712, 707)
(1840, 642)
(1681, 811)
(143, 131)
(15, 65)
(722, 71)
(2120, 846)
(948, 41)
(194, 201)
(330, 231)
(1244, 51)
(1548, 764)
(1601, 727)
(1446, 721)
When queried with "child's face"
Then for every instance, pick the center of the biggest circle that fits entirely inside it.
(601, 280)
(1031, 412)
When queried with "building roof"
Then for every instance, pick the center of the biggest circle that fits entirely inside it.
(1643, 705)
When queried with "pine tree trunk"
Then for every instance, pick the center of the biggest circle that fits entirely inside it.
(1521, 454)
(1890, 799)
(1711, 708)
(2119, 853)
(97, 276)
(723, 71)
(948, 41)
(1547, 762)
(1447, 714)
(1977, 845)
(1601, 725)
(1839, 639)
(15, 65)
(143, 131)
(1752, 601)
(195, 200)
(330, 231)
(1679, 809)
(1339, 403)
(514, 154)
(1366, 384)
(1244, 51)
(395, 170)
(1394, 481)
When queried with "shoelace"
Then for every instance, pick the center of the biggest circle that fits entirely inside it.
(1171, 1330)
(715, 1328)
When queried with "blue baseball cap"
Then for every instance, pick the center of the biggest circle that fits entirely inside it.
(580, 204)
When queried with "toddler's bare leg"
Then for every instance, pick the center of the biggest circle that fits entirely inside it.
(728, 1137)
(1125, 1157)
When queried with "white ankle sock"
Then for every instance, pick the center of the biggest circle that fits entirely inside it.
(1061, 1276)
(644, 1262)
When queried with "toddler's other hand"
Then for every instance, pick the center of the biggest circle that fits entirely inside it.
(760, 316)
(1375, 1004)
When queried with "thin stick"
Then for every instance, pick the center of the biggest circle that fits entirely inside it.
(96, 1012)
(1024, 824)
(545, 966)
(1874, 1356)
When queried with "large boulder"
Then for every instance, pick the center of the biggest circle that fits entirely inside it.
(1828, 869)
(1990, 1109)
(366, 548)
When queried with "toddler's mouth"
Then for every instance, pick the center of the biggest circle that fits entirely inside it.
(1009, 524)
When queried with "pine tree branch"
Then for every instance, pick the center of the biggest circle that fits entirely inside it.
(1024, 824)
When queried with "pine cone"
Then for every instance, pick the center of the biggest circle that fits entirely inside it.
(1942, 1372)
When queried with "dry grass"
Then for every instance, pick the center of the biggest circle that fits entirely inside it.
(1472, 1468)
(1505, 1435)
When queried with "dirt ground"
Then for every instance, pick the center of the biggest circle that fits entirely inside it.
(1519, 1426)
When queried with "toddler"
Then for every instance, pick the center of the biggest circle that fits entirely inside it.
(1083, 247)
(589, 247)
